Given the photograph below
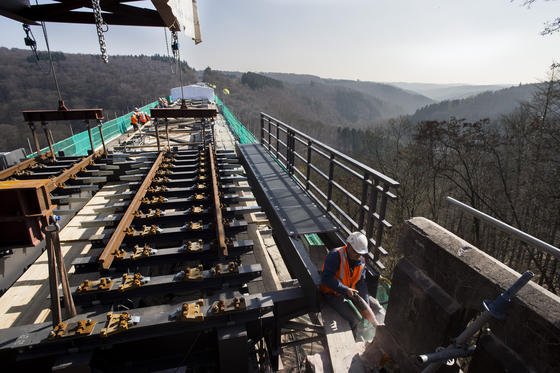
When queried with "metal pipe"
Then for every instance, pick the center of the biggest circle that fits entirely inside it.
(100, 126)
(167, 133)
(218, 209)
(527, 238)
(493, 309)
(35, 138)
(68, 300)
(446, 354)
(157, 134)
(46, 130)
(90, 136)
(108, 254)
(53, 280)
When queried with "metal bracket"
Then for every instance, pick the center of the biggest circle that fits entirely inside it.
(151, 230)
(197, 209)
(59, 330)
(194, 273)
(120, 253)
(228, 305)
(116, 322)
(85, 327)
(131, 281)
(129, 231)
(79, 328)
(157, 189)
(193, 225)
(103, 284)
(199, 196)
(160, 180)
(192, 311)
(142, 252)
(224, 269)
(163, 172)
(193, 246)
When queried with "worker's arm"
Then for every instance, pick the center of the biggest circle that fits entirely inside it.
(328, 278)
(361, 286)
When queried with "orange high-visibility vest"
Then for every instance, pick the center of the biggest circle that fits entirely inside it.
(343, 274)
(143, 118)
(134, 119)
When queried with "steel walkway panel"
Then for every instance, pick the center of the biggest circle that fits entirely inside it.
(298, 213)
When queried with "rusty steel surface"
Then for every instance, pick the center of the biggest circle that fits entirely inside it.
(4, 174)
(55, 115)
(108, 254)
(73, 170)
(217, 204)
(188, 112)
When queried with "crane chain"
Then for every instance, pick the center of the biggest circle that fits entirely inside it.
(101, 29)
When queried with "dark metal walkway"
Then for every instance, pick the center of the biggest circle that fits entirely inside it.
(294, 208)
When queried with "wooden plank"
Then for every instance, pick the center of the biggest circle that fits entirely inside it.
(340, 340)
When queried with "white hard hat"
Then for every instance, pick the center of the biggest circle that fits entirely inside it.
(358, 241)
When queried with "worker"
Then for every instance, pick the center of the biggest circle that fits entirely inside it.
(134, 120)
(142, 118)
(344, 276)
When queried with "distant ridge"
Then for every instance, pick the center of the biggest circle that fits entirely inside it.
(440, 92)
(396, 101)
(483, 105)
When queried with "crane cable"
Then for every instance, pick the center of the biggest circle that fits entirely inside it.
(167, 46)
(177, 55)
(60, 101)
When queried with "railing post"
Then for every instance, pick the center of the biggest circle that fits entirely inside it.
(363, 201)
(372, 208)
(269, 134)
(262, 128)
(277, 139)
(329, 187)
(308, 162)
(380, 225)
(290, 151)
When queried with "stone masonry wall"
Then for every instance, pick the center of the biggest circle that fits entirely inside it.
(439, 286)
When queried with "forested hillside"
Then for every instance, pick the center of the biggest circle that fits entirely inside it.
(85, 82)
(396, 101)
(484, 105)
(508, 167)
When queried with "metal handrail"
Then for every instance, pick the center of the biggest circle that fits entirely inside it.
(527, 238)
(359, 164)
(369, 204)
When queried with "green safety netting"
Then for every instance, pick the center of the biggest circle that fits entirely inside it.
(79, 144)
(241, 132)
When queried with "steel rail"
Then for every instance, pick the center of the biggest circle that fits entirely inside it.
(73, 170)
(4, 174)
(108, 254)
(527, 238)
(217, 205)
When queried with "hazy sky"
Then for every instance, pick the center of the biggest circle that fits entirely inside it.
(436, 41)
